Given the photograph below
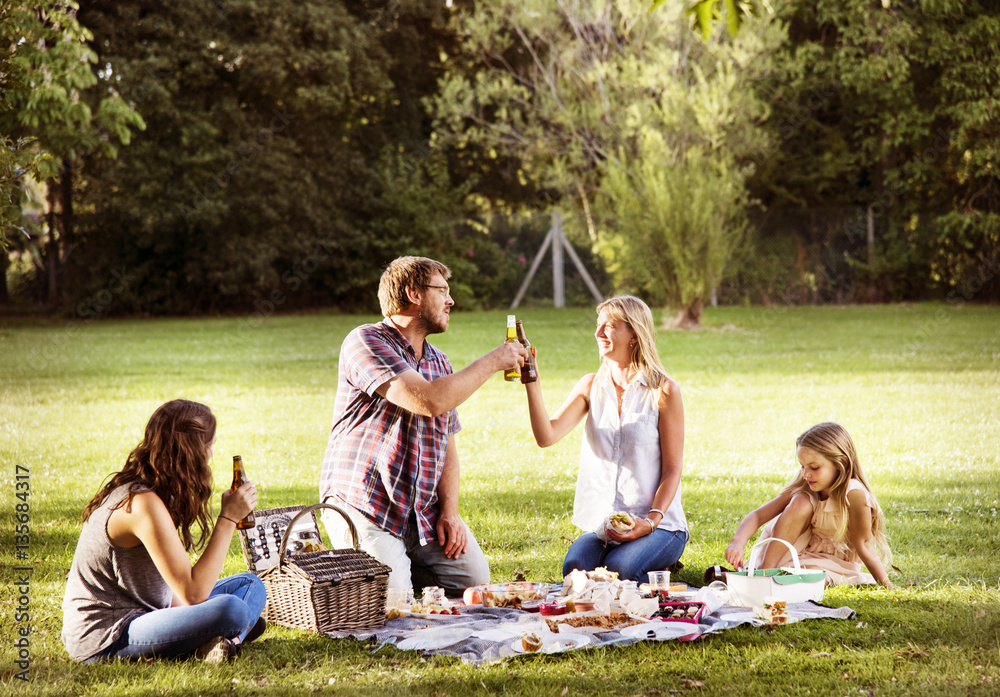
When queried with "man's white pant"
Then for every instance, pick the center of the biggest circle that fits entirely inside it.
(413, 566)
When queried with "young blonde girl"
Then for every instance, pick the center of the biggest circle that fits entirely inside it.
(828, 512)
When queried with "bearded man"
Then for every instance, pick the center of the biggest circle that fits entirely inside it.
(392, 460)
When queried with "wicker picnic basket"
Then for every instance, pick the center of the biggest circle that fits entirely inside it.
(323, 591)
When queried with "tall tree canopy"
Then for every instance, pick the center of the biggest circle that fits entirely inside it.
(611, 103)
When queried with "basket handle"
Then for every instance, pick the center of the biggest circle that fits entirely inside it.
(752, 562)
(310, 509)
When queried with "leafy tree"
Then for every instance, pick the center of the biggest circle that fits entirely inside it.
(46, 124)
(270, 175)
(581, 95)
(890, 106)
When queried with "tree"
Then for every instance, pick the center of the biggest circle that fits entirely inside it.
(578, 92)
(684, 217)
(891, 106)
(46, 120)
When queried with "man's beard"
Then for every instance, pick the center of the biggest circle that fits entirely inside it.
(432, 325)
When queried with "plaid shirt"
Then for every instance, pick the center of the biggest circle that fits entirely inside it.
(382, 460)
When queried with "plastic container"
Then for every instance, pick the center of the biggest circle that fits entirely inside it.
(667, 609)
(513, 594)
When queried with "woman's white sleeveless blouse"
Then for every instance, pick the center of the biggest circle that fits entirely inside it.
(620, 456)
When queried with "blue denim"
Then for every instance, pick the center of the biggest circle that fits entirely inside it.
(231, 610)
(632, 560)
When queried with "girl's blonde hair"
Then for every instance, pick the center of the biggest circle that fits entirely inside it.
(832, 441)
(637, 315)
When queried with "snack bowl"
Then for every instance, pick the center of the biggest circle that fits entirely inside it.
(512, 594)
(552, 609)
(583, 606)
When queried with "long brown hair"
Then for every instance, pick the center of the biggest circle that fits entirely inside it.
(832, 441)
(171, 461)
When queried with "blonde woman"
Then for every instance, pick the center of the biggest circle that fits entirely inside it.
(632, 452)
(828, 512)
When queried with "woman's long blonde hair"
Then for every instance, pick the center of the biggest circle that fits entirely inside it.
(832, 441)
(639, 318)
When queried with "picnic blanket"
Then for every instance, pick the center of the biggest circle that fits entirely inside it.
(481, 635)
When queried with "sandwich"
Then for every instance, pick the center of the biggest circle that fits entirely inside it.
(621, 522)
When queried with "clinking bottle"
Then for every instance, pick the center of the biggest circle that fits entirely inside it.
(239, 478)
(511, 374)
(529, 371)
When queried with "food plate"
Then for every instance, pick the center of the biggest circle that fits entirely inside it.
(659, 631)
(431, 639)
(556, 643)
(741, 617)
(428, 616)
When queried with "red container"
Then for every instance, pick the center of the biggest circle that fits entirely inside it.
(551, 609)
(686, 613)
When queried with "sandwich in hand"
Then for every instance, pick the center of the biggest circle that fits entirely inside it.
(621, 522)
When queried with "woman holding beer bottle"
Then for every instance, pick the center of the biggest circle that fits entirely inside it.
(132, 591)
(632, 450)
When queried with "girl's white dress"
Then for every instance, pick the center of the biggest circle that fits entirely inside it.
(816, 547)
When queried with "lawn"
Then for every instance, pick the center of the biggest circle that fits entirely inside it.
(917, 386)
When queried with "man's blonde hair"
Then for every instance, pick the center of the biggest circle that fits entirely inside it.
(403, 274)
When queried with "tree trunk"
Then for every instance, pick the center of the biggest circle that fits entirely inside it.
(52, 247)
(687, 318)
(4, 265)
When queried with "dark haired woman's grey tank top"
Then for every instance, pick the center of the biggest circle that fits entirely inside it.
(108, 586)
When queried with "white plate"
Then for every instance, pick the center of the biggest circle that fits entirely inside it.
(429, 616)
(556, 643)
(660, 631)
(750, 617)
(431, 639)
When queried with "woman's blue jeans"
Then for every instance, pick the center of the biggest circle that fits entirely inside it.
(231, 610)
(632, 560)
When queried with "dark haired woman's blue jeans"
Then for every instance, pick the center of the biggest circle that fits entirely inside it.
(230, 611)
(632, 560)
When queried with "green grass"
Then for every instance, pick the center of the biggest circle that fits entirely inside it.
(917, 386)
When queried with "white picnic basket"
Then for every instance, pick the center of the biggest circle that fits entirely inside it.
(750, 587)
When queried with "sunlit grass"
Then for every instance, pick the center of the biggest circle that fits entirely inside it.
(918, 388)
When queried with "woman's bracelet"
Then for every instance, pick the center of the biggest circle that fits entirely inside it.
(228, 518)
(657, 510)
(651, 526)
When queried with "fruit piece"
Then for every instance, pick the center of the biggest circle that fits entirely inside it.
(472, 596)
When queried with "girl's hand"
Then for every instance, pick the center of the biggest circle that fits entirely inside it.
(237, 504)
(734, 555)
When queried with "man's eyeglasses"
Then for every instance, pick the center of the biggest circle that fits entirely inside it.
(445, 291)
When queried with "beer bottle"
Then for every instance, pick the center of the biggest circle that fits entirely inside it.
(239, 477)
(529, 371)
(511, 374)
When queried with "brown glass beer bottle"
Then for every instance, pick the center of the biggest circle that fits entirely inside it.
(529, 371)
(239, 477)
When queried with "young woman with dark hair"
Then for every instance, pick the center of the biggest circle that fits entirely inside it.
(132, 591)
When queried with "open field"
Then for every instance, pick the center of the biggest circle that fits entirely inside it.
(918, 387)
